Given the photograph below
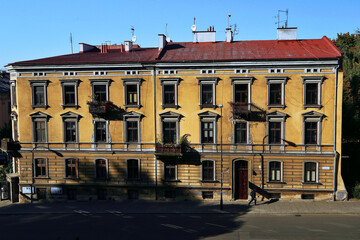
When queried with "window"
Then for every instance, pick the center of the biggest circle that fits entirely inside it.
(39, 93)
(208, 91)
(40, 167)
(70, 125)
(170, 171)
(241, 132)
(100, 89)
(133, 168)
(132, 131)
(170, 127)
(13, 93)
(276, 91)
(275, 171)
(241, 93)
(311, 132)
(170, 92)
(274, 132)
(132, 127)
(312, 128)
(14, 120)
(208, 127)
(312, 91)
(101, 168)
(70, 95)
(132, 92)
(100, 131)
(40, 131)
(71, 168)
(276, 127)
(208, 170)
(310, 172)
(169, 131)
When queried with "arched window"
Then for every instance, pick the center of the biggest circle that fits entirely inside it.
(101, 168)
(133, 167)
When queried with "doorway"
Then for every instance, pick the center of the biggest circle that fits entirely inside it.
(241, 179)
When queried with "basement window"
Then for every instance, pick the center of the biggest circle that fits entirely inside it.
(207, 195)
(307, 196)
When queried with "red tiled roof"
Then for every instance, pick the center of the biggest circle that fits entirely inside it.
(194, 52)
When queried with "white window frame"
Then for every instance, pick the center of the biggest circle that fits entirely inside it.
(208, 117)
(13, 93)
(276, 80)
(70, 82)
(317, 80)
(214, 170)
(211, 81)
(170, 81)
(108, 138)
(281, 171)
(132, 81)
(316, 170)
(247, 131)
(105, 82)
(39, 83)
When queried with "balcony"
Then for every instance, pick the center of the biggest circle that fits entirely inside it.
(247, 111)
(168, 150)
(98, 108)
(9, 145)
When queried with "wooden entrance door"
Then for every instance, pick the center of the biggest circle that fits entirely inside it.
(241, 179)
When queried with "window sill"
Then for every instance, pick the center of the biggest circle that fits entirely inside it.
(208, 106)
(276, 182)
(209, 181)
(39, 106)
(312, 106)
(132, 106)
(170, 106)
(169, 180)
(70, 106)
(276, 106)
(311, 183)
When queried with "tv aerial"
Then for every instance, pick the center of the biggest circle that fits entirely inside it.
(133, 38)
(193, 27)
(279, 20)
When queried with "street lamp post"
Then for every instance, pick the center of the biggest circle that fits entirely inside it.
(221, 161)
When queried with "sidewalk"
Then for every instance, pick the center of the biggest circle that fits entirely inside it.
(280, 207)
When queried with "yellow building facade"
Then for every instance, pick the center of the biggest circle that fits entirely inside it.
(192, 120)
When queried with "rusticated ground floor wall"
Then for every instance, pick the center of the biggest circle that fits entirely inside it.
(188, 184)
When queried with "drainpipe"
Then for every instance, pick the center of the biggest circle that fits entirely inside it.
(155, 132)
(335, 125)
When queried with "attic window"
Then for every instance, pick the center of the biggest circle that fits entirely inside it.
(131, 72)
(39, 74)
(207, 71)
(312, 70)
(243, 71)
(100, 73)
(69, 73)
(275, 70)
(167, 72)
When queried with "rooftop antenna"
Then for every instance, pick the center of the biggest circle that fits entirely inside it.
(229, 15)
(193, 27)
(285, 21)
(71, 43)
(133, 37)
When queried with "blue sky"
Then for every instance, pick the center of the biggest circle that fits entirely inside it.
(34, 29)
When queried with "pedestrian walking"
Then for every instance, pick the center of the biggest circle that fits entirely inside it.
(253, 196)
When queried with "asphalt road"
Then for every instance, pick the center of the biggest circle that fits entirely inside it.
(83, 225)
